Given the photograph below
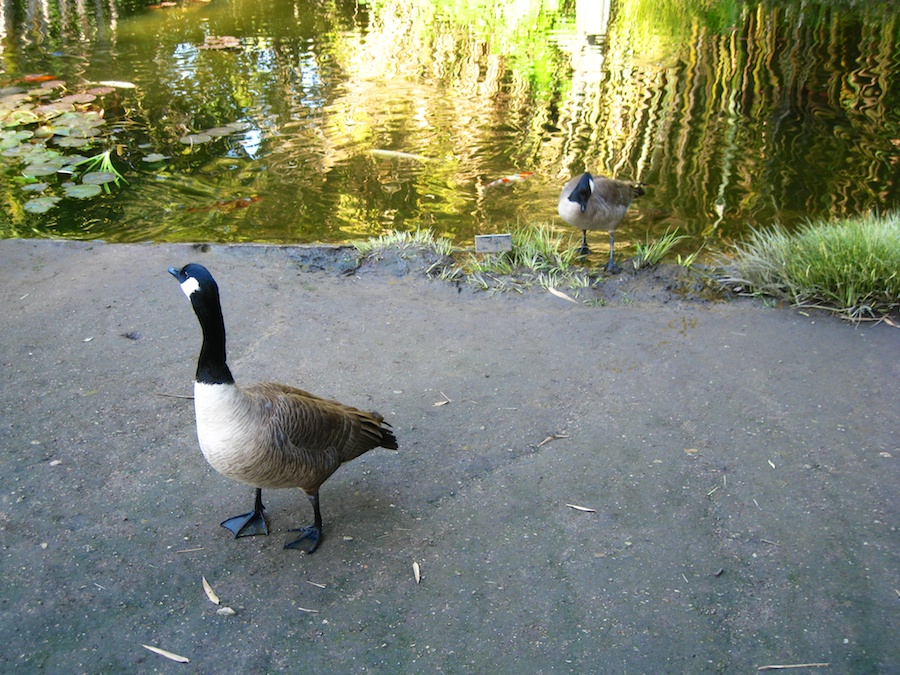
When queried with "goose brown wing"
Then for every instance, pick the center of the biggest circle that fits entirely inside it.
(318, 425)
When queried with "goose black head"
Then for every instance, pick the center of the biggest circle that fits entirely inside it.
(194, 278)
(582, 192)
(203, 292)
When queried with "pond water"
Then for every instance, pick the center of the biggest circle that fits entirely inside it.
(335, 120)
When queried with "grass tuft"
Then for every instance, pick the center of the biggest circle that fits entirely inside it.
(539, 256)
(651, 253)
(850, 266)
(418, 239)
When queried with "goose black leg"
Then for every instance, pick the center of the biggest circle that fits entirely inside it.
(249, 524)
(584, 250)
(611, 266)
(313, 533)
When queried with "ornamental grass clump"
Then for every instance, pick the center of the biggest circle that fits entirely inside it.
(850, 266)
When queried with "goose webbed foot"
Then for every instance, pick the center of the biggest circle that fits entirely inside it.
(308, 541)
(249, 524)
(312, 535)
(612, 268)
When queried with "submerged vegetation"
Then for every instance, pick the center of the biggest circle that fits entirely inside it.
(850, 266)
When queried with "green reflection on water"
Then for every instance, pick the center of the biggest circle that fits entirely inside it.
(733, 114)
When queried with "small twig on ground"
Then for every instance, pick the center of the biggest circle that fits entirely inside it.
(794, 665)
(551, 437)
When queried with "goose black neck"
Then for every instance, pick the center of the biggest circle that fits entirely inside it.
(211, 366)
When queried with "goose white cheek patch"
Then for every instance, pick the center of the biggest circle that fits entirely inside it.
(189, 286)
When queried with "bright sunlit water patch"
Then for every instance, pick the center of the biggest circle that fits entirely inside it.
(350, 120)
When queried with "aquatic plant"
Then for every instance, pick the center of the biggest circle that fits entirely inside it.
(849, 266)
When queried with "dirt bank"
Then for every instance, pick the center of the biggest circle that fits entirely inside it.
(741, 463)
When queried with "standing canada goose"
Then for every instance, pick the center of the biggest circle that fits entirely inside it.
(268, 435)
(596, 203)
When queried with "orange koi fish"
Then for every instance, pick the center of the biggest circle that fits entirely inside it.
(226, 206)
(509, 180)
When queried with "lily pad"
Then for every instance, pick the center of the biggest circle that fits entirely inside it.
(35, 187)
(154, 157)
(84, 132)
(98, 177)
(44, 169)
(78, 98)
(100, 91)
(83, 191)
(72, 141)
(193, 139)
(41, 204)
(219, 131)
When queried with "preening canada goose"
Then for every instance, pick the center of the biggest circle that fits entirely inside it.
(596, 203)
(268, 435)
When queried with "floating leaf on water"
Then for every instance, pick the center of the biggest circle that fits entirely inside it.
(84, 132)
(238, 126)
(193, 139)
(219, 131)
(100, 91)
(78, 98)
(72, 141)
(117, 84)
(35, 187)
(41, 91)
(54, 84)
(45, 169)
(41, 204)
(220, 42)
(9, 91)
(154, 157)
(98, 177)
(53, 109)
(83, 191)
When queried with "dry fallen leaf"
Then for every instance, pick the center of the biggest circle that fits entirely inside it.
(581, 508)
(310, 611)
(168, 655)
(444, 402)
(210, 593)
(560, 294)
(416, 572)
